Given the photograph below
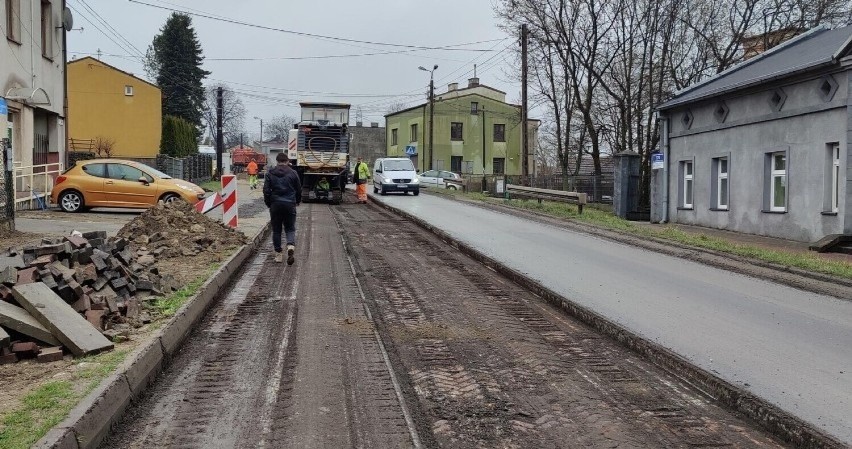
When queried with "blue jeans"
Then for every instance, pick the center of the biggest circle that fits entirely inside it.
(282, 213)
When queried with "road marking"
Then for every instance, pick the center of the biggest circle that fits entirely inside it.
(412, 429)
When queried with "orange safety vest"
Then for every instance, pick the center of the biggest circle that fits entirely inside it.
(251, 168)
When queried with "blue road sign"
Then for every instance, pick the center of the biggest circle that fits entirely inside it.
(410, 150)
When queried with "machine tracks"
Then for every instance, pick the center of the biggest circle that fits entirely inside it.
(494, 366)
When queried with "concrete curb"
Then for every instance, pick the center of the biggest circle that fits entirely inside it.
(768, 416)
(90, 421)
(672, 248)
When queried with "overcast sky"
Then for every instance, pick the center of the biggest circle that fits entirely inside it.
(272, 87)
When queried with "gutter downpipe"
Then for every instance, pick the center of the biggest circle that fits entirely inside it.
(664, 141)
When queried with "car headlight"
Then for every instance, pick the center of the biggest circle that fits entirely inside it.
(415, 180)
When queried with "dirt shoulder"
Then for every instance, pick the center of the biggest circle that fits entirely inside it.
(813, 281)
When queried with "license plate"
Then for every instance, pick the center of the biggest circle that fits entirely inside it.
(401, 186)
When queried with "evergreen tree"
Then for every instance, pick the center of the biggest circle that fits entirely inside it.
(175, 59)
(179, 137)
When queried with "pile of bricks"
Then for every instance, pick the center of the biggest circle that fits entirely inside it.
(104, 280)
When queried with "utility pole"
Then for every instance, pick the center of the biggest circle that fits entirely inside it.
(484, 163)
(431, 108)
(525, 144)
(220, 140)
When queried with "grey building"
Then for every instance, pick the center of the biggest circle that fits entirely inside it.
(762, 148)
(367, 142)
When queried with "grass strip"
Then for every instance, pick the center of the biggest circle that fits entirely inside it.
(211, 186)
(49, 404)
(805, 261)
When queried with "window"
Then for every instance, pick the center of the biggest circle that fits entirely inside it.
(98, 170)
(46, 29)
(394, 137)
(835, 177)
(687, 177)
(456, 164)
(13, 20)
(499, 132)
(499, 165)
(456, 131)
(126, 173)
(474, 107)
(413, 133)
(778, 182)
(722, 183)
(128, 91)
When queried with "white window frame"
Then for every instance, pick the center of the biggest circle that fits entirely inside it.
(128, 91)
(773, 175)
(835, 178)
(688, 180)
(720, 176)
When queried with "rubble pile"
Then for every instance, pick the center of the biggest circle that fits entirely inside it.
(175, 229)
(104, 280)
(108, 282)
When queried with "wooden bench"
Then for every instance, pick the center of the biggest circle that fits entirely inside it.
(516, 191)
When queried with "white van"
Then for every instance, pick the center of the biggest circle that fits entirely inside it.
(395, 174)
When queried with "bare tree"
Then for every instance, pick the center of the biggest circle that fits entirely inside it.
(279, 126)
(395, 107)
(104, 147)
(233, 112)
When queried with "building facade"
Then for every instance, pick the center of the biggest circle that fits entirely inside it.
(367, 142)
(32, 85)
(763, 147)
(108, 105)
(475, 132)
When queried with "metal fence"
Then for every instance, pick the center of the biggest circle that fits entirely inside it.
(598, 188)
(196, 168)
(7, 188)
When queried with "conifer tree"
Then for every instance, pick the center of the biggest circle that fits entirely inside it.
(174, 59)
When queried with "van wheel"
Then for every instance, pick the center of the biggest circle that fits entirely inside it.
(416, 192)
(383, 191)
(375, 189)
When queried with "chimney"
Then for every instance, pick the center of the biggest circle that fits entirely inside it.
(359, 124)
(452, 86)
(374, 124)
(473, 82)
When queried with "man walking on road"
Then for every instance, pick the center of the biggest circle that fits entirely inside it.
(282, 193)
(251, 169)
(361, 175)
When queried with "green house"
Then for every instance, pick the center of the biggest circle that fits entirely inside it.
(475, 132)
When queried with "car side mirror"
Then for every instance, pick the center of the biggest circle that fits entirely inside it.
(378, 170)
(144, 180)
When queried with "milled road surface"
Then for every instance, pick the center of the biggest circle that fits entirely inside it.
(791, 347)
(424, 347)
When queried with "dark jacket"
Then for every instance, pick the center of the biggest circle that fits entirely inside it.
(282, 185)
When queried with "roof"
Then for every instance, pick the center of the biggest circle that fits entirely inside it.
(308, 104)
(91, 59)
(814, 49)
(439, 100)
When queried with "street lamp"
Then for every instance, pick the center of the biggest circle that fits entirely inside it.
(431, 108)
(261, 132)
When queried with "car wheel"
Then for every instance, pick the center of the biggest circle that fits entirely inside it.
(416, 192)
(383, 191)
(169, 198)
(375, 189)
(71, 201)
(451, 187)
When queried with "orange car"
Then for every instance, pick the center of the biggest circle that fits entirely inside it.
(118, 183)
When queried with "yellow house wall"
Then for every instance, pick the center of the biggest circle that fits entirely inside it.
(98, 107)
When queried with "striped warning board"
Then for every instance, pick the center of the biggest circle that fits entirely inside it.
(229, 197)
(207, 204)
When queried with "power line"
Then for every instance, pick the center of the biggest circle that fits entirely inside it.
(312, 35)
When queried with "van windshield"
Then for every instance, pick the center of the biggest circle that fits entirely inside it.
(398, 165)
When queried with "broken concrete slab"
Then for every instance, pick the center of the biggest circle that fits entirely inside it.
(16, 261)
(9, 275)
(75, 333)
(4, 337)
(17, 319)
(47, 355)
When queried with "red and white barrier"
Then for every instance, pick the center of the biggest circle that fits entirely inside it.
(229, 198)
(207, 204)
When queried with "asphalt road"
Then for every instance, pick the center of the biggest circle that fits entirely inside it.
(791, 347)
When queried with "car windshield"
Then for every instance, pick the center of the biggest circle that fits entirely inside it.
(398, 165)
